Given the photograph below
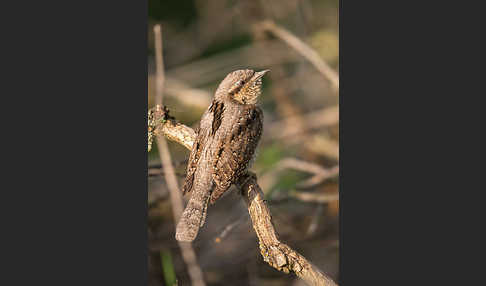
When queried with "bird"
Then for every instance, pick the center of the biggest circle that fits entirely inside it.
(224, 148)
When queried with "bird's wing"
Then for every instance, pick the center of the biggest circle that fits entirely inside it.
(206, 127)
(236, 150)
(196, 150)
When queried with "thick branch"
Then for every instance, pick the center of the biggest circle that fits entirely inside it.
(279, 255)
(274, 252)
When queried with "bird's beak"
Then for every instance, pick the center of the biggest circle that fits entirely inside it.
(259, 75)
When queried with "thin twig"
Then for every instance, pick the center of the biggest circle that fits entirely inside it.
(187, 95)
(170, 178)
(324, 117)
(285, 106)
(187, 251)
(228, 229)
(323, 145)
(160, 171)
(176, 164)
(157, 169)
(208, 70)
(315, 220)
(274, 252)
(159, 66)
(315, 198)
(320, 173)
(304, 50)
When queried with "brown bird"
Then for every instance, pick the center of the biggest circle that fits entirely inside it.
(228, 134)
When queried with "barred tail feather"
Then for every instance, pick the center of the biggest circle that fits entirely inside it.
(193, 217)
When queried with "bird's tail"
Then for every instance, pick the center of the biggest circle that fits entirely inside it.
(193, 216)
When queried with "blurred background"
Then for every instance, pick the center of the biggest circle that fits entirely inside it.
(298, 155)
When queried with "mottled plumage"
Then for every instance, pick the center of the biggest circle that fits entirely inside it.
(227, 137)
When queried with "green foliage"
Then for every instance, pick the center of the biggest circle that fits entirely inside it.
(153, 155)
(269, 156)
(168, 268)
(286, 182)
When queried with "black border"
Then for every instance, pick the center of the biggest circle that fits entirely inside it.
(78, 212)
(397, 143)
(78, 74)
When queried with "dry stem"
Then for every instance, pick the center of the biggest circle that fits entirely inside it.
(188, 254)
(274, 252)
(304, 50)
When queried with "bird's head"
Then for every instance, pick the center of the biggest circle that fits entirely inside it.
(244, 86)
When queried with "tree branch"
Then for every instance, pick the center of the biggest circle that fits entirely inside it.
(275, 253)
(279, 255)
(160, 123)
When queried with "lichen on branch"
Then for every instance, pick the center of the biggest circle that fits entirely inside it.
(161, 123)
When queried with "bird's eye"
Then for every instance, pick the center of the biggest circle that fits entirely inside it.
(241, 82)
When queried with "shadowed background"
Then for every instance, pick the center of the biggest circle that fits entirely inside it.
(204, 41)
